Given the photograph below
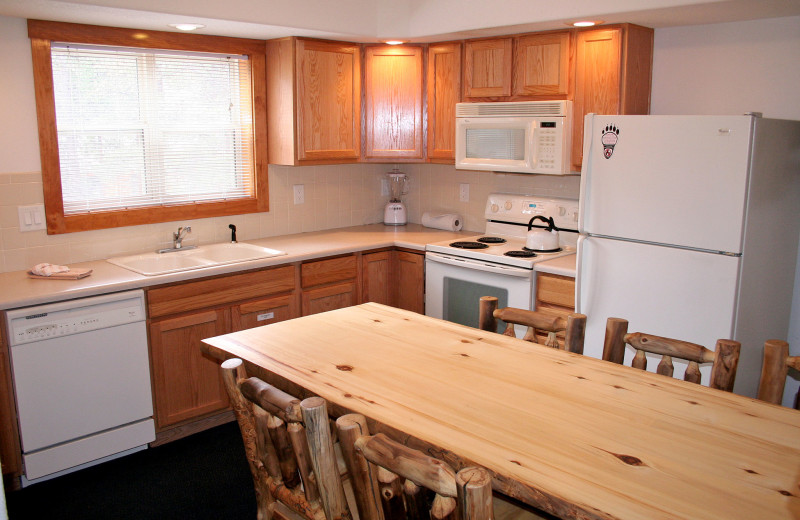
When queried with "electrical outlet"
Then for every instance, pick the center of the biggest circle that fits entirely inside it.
(31, 218)
(463, 192)
(299, 194)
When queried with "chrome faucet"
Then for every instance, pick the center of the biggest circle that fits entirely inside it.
(177, 238)
(177, 241)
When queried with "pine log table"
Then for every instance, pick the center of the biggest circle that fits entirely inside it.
(575, 436)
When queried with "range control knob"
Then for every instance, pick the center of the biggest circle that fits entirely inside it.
(495, 208)
(508, 204)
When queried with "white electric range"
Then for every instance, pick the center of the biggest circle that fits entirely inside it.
(495, 263)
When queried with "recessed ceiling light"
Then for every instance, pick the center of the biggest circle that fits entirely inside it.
(186, 26)
(393, 42)
(586, 23)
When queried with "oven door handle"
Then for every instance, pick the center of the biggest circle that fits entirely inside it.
(480, 266)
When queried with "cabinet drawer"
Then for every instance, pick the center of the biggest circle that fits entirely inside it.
(217, 291)
(263, 312)
(555, 290)
(327, 271)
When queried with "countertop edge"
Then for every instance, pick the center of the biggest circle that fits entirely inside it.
(563, 266)
(21, 291)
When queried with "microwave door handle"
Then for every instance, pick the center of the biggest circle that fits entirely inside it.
(479, 266)
(532, 151)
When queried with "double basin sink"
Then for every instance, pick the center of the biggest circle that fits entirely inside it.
(152, 264)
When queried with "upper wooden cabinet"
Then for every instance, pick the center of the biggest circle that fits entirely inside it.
(613, 70)
(444, 91)
(542, 64)
(313, 101)
(487, 68)
(393, 92)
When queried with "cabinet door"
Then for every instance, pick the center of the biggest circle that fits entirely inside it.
(376, 269)
(597, 81)
(444, 91)
(555, 295)
(263, 312)
(393, 102)
(9, 438)
(328, 100)
(186, 384)
(487, 68)
(409, 282)
(328, 298)
(541, 64)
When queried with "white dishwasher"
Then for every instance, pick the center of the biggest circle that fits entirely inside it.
(81, 375)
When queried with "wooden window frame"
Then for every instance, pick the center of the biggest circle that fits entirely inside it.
(42, 33)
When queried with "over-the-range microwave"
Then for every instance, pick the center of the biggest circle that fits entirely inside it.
(520, 136)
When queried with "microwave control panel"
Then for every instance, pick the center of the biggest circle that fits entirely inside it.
(549, 146)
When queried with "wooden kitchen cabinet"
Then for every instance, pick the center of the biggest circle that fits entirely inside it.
(409, 281)
(613, 72)
(186, 384)
(393, 101)
(376, 272)
(395, 278)
(555, 295)
(487, 68)
(313, 101)
(444, 91)
(10, 454)
(542, 65)
(329, 284)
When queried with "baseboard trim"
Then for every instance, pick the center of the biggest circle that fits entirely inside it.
(184, 430)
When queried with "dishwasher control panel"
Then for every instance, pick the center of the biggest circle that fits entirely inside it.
(74, 317)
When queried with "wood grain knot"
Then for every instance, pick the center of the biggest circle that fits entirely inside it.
(518, 463)
(629, 459)
(752, 471)
(377, 320)
(348, 396)
(465, 341)
(618, 387)
(785, 493)
(464, 355)
(344, 368)
(693, 402)
(580, 377)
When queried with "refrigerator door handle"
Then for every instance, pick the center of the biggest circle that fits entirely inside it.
(585, 167)
(580, 276)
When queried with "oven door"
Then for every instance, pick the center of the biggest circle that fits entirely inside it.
(454, 285)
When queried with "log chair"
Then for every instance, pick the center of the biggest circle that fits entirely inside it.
(573, 327)
(724, 359)
(775, 370)
(393, 482)
(289, 448)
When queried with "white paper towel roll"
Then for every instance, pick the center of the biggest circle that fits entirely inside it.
(447, 221)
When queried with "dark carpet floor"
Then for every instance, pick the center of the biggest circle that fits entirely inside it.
(203, 476)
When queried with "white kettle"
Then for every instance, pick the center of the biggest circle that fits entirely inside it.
(542, 239)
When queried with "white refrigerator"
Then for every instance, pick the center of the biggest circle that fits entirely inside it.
(689, 229)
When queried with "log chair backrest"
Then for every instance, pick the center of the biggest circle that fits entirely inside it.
(573, 327)
(775, 370)
(393, 482)
(724, 359)
(288, 442)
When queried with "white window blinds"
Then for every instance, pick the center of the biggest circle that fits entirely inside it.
(141, 127)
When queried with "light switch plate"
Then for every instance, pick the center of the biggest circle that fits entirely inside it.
(463, 192)
(31, 218)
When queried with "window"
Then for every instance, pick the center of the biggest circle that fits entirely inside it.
(139, 127)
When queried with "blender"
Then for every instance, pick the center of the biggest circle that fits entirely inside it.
(395, 212)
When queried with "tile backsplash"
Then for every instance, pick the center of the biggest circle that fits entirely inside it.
(335, 196)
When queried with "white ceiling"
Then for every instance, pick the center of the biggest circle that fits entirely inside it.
(374, 20)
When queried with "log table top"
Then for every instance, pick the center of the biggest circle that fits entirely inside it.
(573, 435)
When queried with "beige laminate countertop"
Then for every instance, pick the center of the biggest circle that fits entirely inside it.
(17, 290)
(563, 265)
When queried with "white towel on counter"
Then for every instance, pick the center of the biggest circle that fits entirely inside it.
(447, 221)
(49, 269)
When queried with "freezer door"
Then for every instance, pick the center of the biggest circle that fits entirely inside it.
(677, 293)
(679, 180)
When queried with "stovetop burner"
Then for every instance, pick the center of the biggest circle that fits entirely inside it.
(556, 250)
(469, 245)
(492, 240)
(520, 254)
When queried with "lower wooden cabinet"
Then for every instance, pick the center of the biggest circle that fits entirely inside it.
(555, 294)
(9, 437)
(395, 278)
(263, 312)
(329, 284)
(328, 298)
